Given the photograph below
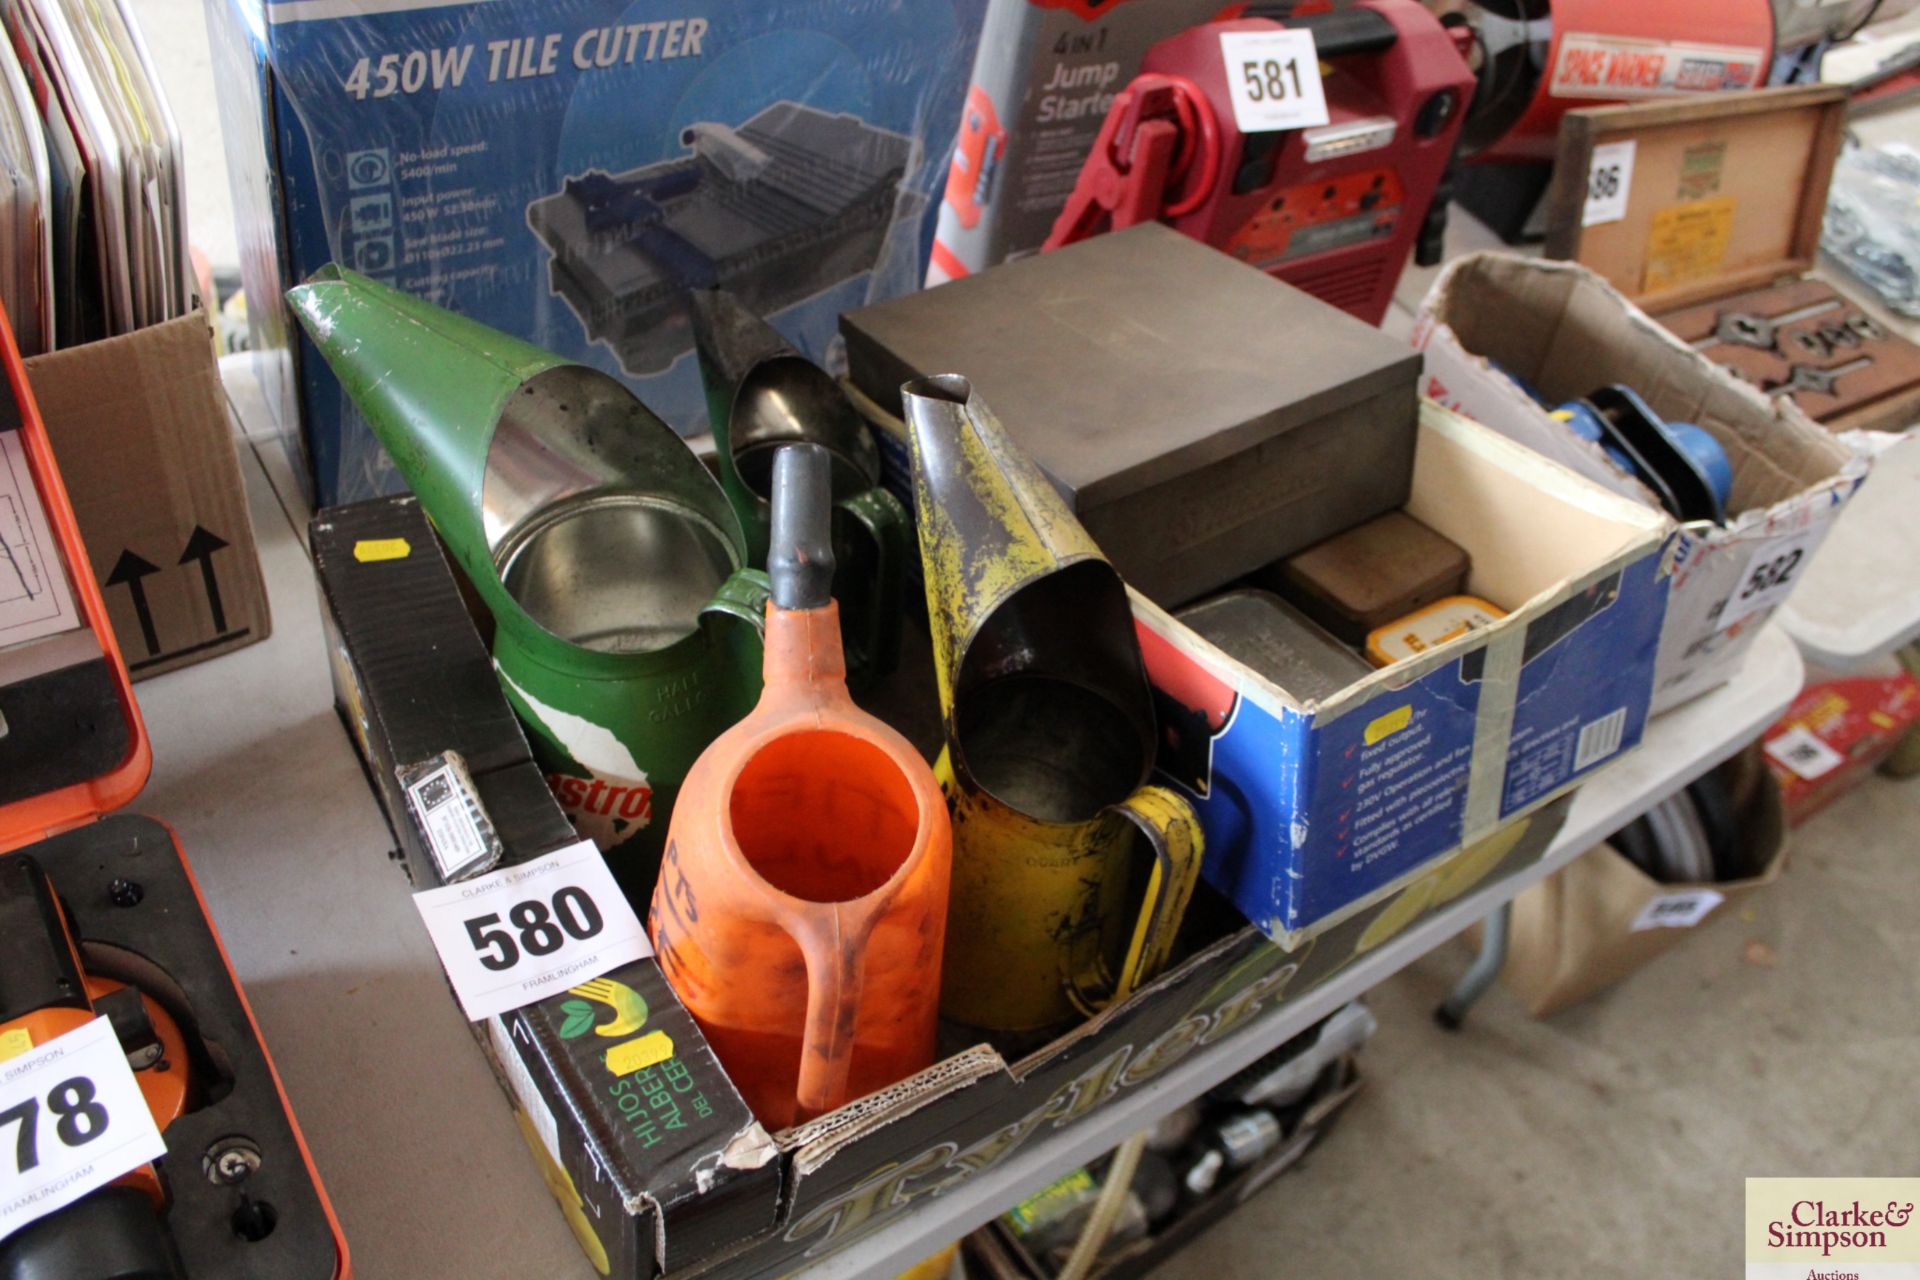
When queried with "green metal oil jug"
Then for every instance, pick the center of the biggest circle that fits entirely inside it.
(608, 556)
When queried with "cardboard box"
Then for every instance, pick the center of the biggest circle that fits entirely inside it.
(1314, 810)
(1600, 918)
(1043, 80)
(566, 171)
(411, 680)
(1719, 212)
(1201, 418)
(1566, 331)
(718, 1197)
(140, 426)
(403, 649)
(1837, 730)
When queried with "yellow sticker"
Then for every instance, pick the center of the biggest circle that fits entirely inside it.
(637, 1055)
(373, 550)
(1687, 242)
(1392, 722)
(14, 1043)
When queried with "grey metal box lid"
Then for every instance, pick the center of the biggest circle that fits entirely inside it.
(1134, 357)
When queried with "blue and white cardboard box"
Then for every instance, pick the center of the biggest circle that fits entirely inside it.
(1314, 810)
(566, 170)
(1565, 330)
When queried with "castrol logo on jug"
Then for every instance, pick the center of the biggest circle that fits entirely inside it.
(604, 811)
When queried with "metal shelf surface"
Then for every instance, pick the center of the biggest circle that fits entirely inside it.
(412, 1136)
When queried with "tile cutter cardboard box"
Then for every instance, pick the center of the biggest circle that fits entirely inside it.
(1566, 330)
(717, 1196)
(1717, 222)
(1315, 810)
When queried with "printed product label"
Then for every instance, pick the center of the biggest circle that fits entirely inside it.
(1687, 242)
(1594, 66)
(1677, 910)
(1700, 168)
(450, 816)
(1802, 751)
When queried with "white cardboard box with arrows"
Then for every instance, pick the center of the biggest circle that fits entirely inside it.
(139, 425)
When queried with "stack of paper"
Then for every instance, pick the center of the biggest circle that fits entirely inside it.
(93, 226)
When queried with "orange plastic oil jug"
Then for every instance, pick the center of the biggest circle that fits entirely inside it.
(801, 909)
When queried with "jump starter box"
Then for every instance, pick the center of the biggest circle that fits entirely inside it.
(1043, 81)
(1058, 134)
(567, 170)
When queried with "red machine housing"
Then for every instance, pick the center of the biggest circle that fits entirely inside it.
(1334, 219)
(1603, 51)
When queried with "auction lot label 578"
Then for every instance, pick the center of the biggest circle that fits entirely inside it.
(1833, 1229)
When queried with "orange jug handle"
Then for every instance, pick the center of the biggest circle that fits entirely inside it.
(835, 952)
(1172, 832)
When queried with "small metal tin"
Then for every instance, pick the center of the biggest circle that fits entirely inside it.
(1279, 643)
(1430, 627)
(1360, 580)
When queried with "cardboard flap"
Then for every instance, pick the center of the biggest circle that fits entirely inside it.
(1566, 314)
(1724, 191)
(140, 425)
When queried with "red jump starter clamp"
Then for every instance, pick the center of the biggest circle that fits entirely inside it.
(1332, 209)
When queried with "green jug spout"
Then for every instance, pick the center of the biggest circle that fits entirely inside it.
(497, 437)
(762, 394)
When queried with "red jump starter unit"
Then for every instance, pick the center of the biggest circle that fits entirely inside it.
(1332, 209)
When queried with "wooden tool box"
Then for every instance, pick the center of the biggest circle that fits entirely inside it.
(1715, 235)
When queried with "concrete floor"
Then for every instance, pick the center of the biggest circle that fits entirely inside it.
(1613, 1138)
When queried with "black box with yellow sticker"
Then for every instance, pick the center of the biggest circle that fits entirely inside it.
(646, 1146)
(643, 1141)
(412, 680)
(627, 1111)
